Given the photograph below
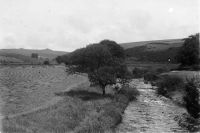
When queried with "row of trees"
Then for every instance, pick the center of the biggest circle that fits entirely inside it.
(104, 62)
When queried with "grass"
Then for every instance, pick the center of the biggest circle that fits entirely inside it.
(25, 88)
(107, 116)
(82, 109)
(75, 113)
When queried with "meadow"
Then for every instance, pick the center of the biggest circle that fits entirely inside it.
(46, 99)
(26, 87)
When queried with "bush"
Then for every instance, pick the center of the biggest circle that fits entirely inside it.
(130, 92)
(138, 73)
(151, 76)
(169, 84)
(192, 98)
(46, 62)
(161, 70)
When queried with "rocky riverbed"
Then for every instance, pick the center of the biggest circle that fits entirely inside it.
(150, 113)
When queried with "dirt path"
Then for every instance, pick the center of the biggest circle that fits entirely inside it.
(151, 114)
(53, 101)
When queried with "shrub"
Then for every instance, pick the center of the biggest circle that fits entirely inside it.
(138, 73)
(169, 84)
(151, 76)
(130, 92)
(161, 70)
(192, 98)
(46, 62)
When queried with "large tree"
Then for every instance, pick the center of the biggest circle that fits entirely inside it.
(189, 52)
(103, 62)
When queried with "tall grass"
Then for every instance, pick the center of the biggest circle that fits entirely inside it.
(107, 116)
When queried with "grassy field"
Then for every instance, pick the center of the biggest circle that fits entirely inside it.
(184, 74)
(25, 88)
(151, 66)
(35, 101)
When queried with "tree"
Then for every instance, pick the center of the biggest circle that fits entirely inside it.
(189, 52)
(103, 62)
(34, 55)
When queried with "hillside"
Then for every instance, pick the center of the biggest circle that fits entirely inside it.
(24, 55)
(153, 51)
(142, 54)
(155, 44)
(45, 53)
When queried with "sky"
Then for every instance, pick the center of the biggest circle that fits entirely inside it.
(70, 24)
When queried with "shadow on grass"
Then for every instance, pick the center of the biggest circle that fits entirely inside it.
(84, 95)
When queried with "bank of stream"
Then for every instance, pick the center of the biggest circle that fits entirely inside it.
(150, 113)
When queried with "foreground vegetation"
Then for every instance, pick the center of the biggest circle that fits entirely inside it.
(82, 109)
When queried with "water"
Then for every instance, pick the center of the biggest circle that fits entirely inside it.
(150, 113)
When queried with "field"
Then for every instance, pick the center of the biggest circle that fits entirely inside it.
(35, 99)
(185, 74)
(28, 89)
(151, 66)
(25, 88)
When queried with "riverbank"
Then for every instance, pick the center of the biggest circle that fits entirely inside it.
(105, 116)
(151, 113)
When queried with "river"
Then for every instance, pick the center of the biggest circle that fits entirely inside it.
(150, 113)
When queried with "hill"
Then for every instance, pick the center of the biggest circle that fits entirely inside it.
(24, 55)
(142, 54)
(155, 44)
(153, 51)
(45, 53)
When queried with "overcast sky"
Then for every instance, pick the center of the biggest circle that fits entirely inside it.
(70, 24)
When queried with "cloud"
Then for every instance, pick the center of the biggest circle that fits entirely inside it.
(67, 25)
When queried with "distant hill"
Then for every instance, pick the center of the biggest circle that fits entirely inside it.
(153, 51)
(24, 55)
(155, 44)
(46, 53)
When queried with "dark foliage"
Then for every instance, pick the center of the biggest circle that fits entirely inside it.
(141, 54)
(34, 55)
(169, 84)
(189, 52)
(84, 95)
(151, 76)
(115, 49)
(103, 62)
(139, 72)
(46, 62)
(62, 59)
(192, 99)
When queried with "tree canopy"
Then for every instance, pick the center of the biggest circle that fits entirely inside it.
(103, 62)
(189, 52)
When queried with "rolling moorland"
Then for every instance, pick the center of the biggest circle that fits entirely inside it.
(144, 51)
(21, 56)
(153, 51)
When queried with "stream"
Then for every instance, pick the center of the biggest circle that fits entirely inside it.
(150, 113)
